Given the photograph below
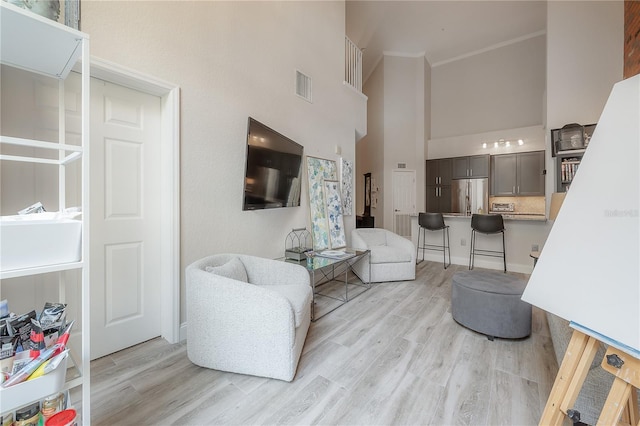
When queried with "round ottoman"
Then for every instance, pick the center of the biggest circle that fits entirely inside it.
(489, 302)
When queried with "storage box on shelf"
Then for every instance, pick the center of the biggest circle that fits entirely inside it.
(35, 44)
(571, 139)
(32, 390)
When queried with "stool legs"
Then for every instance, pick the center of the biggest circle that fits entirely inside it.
(446, 246)
(420, 230)
(504, 253)
(493, 253)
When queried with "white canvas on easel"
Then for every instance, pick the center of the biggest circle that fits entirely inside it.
(589, 269)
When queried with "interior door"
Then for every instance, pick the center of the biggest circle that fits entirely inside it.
(404, 201)
(125, 217)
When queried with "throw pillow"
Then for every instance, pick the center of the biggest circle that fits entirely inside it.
(233, 269)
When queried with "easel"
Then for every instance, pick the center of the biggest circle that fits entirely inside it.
(621, 404)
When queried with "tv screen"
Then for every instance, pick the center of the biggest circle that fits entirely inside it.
(273, 169)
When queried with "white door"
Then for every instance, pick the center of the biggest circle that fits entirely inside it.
(404, 200)
(125, 217)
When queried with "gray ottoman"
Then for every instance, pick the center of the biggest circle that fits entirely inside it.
(489, 302)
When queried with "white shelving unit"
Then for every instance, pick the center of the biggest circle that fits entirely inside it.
(36, 44)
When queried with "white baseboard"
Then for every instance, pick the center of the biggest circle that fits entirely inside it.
(481, 263)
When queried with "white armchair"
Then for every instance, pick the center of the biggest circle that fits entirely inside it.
(247, 314)
(393, 258)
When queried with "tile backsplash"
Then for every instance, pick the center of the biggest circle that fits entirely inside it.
(528, 205)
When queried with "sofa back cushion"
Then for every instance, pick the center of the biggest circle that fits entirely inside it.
(373, 237)
(233, 269)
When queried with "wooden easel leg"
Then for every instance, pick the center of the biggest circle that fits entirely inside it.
(632, 408)
(615, 403)
(630, 412)
(571, 375)
(623, 396)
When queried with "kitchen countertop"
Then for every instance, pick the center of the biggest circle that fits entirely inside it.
(507, 216)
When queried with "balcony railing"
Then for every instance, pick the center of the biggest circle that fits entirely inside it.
(353, 65)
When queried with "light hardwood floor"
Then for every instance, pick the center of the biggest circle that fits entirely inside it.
(393, 355)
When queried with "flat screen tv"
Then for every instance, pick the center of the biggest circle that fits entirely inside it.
(273, 169)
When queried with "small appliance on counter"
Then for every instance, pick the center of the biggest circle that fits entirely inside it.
(502, 207)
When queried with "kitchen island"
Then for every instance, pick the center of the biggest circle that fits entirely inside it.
(509, 216)
(522, 232)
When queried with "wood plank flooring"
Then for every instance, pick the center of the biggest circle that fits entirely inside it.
(391, 356)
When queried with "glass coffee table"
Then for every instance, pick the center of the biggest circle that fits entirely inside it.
(333, 279)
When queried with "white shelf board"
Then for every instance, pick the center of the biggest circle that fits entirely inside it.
(28, 42)
(13, 273)
(39, 144)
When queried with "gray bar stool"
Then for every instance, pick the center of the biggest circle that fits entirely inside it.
(487, 224)
(433, 222)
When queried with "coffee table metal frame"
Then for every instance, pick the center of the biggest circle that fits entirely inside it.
(328, 270)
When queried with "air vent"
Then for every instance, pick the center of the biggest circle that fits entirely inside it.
(402, 165)
(303, 86)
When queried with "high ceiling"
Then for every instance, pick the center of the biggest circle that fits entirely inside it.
(439, 30)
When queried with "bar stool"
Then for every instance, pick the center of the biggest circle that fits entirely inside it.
(487, 224)
(433, 222)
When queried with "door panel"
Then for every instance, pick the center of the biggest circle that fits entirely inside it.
(404, 200)
(479, 166)
(432, 172)
(432, 199)
(125, 226)
(531, 173)
(461, 167)
(503, 174)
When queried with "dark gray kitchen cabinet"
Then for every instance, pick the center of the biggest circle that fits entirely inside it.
(520, 174)
(438, 196)
(439, 172)
(531, 172)
(438, 199)
(476, 166)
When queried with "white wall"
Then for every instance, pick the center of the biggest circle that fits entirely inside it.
(370, 149)
(404, 128)
(584, 61)
(499, 89)
(233, 60)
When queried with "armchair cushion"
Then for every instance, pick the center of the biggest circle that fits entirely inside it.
(233, 269)
(298, 296)
(388, 254)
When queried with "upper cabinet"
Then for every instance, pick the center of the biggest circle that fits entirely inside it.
(439, 172)
(476, 166)
(438, 195)
(520, 174)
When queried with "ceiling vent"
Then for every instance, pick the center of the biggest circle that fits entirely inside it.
(303, 86)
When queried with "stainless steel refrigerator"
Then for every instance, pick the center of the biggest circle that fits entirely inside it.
(470, 196)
